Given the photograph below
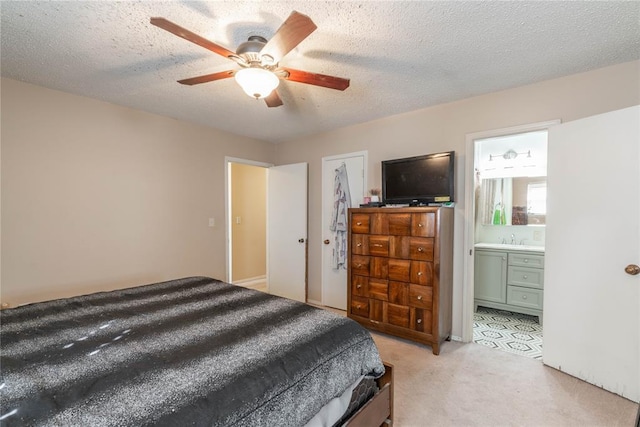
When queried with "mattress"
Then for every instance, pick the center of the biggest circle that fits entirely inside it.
(194, 351)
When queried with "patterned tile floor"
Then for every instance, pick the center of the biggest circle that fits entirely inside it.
(511, 332)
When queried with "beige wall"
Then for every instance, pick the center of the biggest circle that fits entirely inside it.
(444, 127)
(249, 233)
(97, 196)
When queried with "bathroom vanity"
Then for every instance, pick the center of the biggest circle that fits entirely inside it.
(509, 277)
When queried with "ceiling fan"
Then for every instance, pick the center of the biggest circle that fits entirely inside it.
(258, 58)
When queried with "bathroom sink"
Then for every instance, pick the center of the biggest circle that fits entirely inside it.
(508, 247)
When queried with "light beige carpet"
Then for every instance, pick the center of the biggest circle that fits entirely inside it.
(471, 385)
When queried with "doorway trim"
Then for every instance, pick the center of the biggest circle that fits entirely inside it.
(227, 208)
(470, 225)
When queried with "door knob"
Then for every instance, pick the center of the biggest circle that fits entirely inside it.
(632, 269)
(300, 240)
(326, 241)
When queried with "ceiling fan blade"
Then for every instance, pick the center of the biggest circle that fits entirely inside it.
(296, 28)
(192, 37)
(207, 78)
(315, 79)
(273, 100)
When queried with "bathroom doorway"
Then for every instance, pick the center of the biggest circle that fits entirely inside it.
(504, 269)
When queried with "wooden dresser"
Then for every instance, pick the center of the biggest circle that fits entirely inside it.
(400, 271)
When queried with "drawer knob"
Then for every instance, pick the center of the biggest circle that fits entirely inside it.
(358, 265)
(419, 321)
(524, 276)
(358, 286)
(377, 245)
(359, 244)
(419, 273)
(420, 225)
(420, 249)
(358, 223)
(526, 260)
(504, 259)
(358, 306)
(632, 269)
(419, 297)
(524, 297)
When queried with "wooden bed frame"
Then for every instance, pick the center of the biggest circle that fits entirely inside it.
(378, 411)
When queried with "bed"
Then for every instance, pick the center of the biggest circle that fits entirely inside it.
(194, 351)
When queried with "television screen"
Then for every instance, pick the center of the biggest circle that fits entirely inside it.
(419, 180)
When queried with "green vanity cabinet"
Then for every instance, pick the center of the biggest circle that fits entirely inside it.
(510, 280)
(490, 277)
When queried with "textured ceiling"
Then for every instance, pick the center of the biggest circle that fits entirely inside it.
(399, 55)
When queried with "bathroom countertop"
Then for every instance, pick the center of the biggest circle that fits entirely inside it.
(508, 247)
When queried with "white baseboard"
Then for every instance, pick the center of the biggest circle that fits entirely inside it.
(250, 281)
(314, 302)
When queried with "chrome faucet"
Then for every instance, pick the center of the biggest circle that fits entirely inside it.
(513, 239)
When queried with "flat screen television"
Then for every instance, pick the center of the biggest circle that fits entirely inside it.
(419, 180)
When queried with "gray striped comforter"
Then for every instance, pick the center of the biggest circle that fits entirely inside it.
(195, 351)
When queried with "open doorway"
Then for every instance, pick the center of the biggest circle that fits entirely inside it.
(247, 224)
(285, 243)
(505, 230)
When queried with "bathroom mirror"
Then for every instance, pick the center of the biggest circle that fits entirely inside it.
(513, 201)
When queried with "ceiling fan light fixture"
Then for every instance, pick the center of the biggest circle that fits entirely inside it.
(257, 82)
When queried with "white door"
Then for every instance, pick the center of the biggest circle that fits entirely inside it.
(591, 306)
(287, 231)
(334, 273)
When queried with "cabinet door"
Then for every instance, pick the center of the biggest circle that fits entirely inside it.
(490, 276)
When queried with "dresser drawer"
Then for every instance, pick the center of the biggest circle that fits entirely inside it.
(360, 244)
(526, 260)
(359, 285)
(421, 248)
(379, 245)
(420, 296)
(420, 320)
(360, 306)
(525, 276)
(423, 224)
(360, 265)
(422, 273)
(524, 297)
(360, 223)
